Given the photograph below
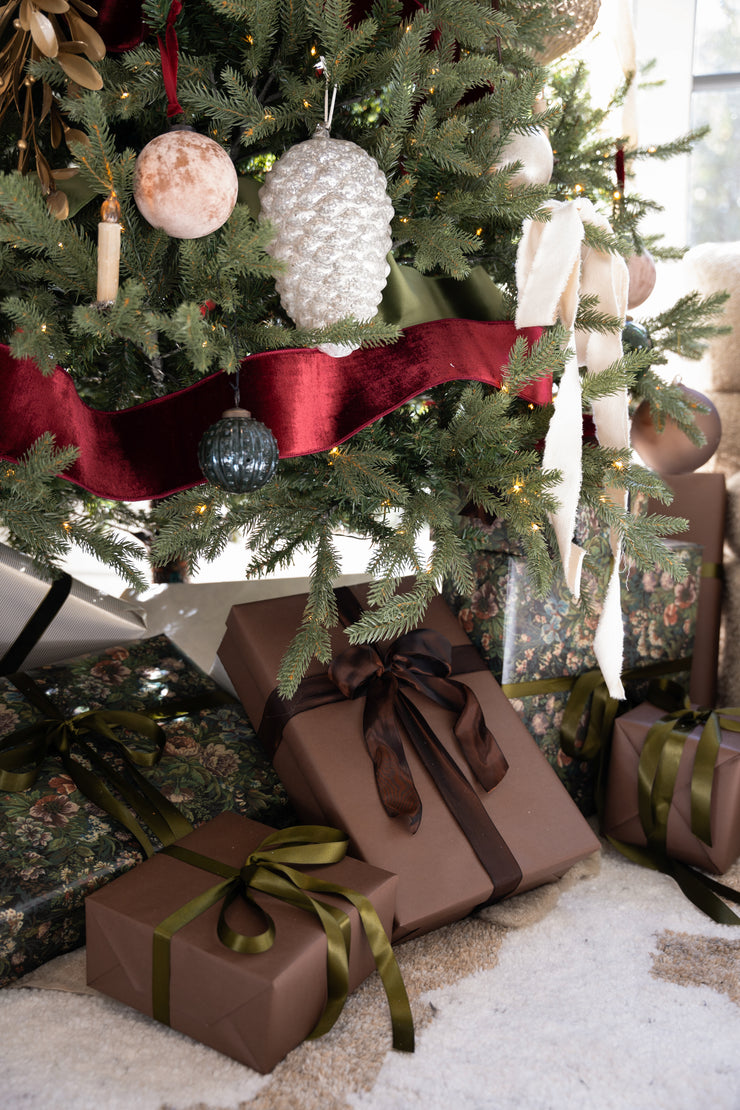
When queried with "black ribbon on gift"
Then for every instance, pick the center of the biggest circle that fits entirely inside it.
(36, 625)
(23, 752)
(422, 661)
(271, 869)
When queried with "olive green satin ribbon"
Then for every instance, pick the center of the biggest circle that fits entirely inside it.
(603, 707)
(659, 763)
(712, 570)
(702, 890)
(271, 870)
(28, 747)
(412, 298)
(656, 778)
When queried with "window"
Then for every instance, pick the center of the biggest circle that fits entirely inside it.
(714, 185)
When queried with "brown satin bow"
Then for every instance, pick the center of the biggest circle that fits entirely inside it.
(420, 660)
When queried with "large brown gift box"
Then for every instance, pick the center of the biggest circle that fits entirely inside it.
(701, 498)
(325, 766)
(621, 812)
(254, 1008)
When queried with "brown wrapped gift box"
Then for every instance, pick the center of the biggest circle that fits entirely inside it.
(254, 1008)
(621, 817)
(327, 771)
(702, 499)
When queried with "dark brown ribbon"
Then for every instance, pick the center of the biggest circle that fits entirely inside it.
(423, 661)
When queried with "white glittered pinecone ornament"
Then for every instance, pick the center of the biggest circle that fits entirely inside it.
(327, 201)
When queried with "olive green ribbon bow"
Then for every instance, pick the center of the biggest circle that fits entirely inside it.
(657, 772)
(659, 763)
(23, 752)
(271, 869)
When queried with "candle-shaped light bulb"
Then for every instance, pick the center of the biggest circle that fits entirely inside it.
(109, 249)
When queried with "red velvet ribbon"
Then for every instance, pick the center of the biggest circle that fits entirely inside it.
(120, 24)
(619, 168)
(309, 400)
(421, 661)
(169, 54)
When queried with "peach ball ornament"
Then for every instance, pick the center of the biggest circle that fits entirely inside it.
(670, 451)
(185, 184)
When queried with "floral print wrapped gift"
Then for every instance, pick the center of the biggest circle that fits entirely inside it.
(57, 846)
(526, 638)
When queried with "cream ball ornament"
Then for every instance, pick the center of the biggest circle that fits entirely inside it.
(327, 202)
(185, 184)
(533, 150)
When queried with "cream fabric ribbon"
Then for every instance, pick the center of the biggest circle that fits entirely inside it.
(554, 268)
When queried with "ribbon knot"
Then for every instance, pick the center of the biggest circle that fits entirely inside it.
(23, 752)
(420, 661)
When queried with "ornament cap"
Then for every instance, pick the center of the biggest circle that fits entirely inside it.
(236, 412)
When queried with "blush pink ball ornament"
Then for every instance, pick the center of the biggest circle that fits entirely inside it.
(185, 184)
(642, 275)
(670, 451)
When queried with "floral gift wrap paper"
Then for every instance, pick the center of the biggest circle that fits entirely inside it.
(527, 638)
(57, 846)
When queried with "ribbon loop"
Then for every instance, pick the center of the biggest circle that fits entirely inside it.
(271, 869)
(422, 661)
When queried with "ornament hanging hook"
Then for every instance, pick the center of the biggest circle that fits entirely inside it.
(322, 67)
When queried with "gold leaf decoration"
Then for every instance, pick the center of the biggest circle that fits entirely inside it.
(35, 29)
(56, 6)
(80, 70)
(58, 204)
(83, 32)
(43, 33)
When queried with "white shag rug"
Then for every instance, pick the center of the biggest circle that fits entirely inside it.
(611, 993)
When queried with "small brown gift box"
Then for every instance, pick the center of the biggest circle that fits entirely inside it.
(702, 499)
(254, 1008)
(621, 811)
(325, 766)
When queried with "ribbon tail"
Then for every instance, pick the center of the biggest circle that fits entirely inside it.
(477, 743)
(548, 276)
(563, 454)
(609, 637)
(392, 772)
(547, 264)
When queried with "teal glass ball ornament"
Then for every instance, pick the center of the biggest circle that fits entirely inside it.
(237, 453)
(635, 337)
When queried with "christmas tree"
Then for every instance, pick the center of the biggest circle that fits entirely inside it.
(446, 96)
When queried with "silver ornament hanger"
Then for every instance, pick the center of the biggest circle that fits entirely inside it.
(325, 127)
